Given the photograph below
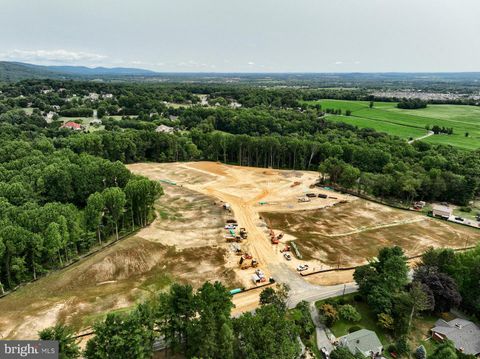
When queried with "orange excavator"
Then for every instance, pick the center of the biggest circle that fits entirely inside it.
(273, 238)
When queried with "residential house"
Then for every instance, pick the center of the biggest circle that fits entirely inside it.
(72, 126)
(165, 129)
(464, 334)
(49, 117)
(363, 341)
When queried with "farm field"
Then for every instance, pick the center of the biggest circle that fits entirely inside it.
(386, 117)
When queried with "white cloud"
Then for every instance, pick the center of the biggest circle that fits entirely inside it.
(53, 56)
(338, 62)
(251, 63)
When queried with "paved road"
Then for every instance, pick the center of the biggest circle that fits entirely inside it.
(322, 338)
(300, 289)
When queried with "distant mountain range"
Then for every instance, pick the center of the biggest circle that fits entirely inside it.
(444, 81)
(15, 71)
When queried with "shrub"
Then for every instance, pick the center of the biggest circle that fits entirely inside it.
(329, 313)
(349, 313)
(402, 345)
(466, 209)
(392, 348)
(358, 298)
(385, 321)
(420, 352)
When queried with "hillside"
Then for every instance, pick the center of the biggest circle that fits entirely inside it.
(16, 71)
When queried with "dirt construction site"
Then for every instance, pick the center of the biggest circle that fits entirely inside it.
(233, 224)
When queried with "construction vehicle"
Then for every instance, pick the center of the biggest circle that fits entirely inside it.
(304, 199)
(280, 236)
(247, 256)
(243, 233)
(260, 275)
(272, 234)
(234, 221)
(273, 238)
(245, 264)
(286, 249)
(230, 239)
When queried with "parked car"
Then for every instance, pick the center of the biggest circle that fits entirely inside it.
(287, 256)
(302, 267)
(459, 219)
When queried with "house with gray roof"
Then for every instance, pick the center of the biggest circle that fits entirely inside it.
(464, 334)
(362, 341)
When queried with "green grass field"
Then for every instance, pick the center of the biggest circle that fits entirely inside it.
(386, 117)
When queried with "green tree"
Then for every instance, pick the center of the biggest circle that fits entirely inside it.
(420, 352)
(421, 300)
(341, 353)
(349, 313)
(94, 212)
(385, 321)
(122, 336)
(267, 334)
(174, 312)
(68, 347)
(115, 201)
(446, 350)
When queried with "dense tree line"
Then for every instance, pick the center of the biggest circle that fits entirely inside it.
(360, 159)
(77, 112)
(411, 104)
(195, 324)
(55, 205)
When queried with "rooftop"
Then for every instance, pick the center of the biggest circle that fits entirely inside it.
(363, 340)
(464, 334)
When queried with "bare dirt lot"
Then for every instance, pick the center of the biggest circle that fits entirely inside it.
(348, 233)
(187, 243)
(183, 244)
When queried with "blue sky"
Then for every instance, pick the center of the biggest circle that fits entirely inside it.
(245, 35)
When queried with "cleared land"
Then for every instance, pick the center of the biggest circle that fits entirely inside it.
(186, 243)
(350, 232)
(386, 117)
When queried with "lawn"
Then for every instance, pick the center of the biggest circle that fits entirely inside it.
(386, 117)
(369, 320)
(419, 333)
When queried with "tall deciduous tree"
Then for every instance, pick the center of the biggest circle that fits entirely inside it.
(68, 347)
(115, 201)
(94, 212)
